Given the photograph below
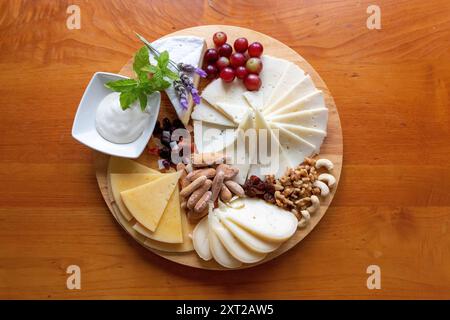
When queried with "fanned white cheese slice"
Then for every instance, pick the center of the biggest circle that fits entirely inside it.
(279, 160)
(233, 111)
(314, 100)
(201, 241)
(245, 149)
(249, 239)
(211, 137)
(313, 136)
(300, 90)
(186, 49)
(262, 219)
(234, 246)
(315, 118)
(207, 113)
(295, 147)
(291, 76)
(219, 91)
(273, 70)
(218, 251)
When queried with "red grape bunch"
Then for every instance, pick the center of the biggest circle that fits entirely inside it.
(244, 63)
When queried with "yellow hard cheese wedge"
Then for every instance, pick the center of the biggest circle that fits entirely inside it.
(186, 246)
(147, 202)
(123, 165)
(169, 229)
(123, 181)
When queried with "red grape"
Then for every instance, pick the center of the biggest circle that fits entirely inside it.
(227, 74)
(241, 72)
(237, 59)
(219, 38)
(252, 82)
(255, 49)
(240, 45)
(223, 62)
(225, 50)
(254, 65)
(211, 55)
(211, 70)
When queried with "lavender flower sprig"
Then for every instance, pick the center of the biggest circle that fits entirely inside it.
(185, 85)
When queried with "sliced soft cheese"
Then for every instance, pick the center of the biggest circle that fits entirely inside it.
(218, 250)
(207, 113)
(262, 219)
(291, 76)
(125, 181)
(315, 118)
(186, 49)
(123, 165)
(201, 241)
(234, 246)
(303, 88)
(147, 203)
(211, 137)
(186, 246)
(248, 239)
(273, 70)
(219, 93)
(314, 100)
(234, 111)
(272, 158)
(169, 229)
(295, 147)
(313, 136)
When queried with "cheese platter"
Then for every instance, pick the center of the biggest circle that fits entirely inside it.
(218, 212)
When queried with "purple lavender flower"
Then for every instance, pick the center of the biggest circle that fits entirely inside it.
(195, 96)
(184, 67)
(184, 103)
(202, 73)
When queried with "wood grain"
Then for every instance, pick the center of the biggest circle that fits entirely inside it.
(331, 148)
(392, 207)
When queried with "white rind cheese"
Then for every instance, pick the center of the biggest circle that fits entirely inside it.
(186, 49)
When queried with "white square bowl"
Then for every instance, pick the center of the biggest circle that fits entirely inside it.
(84, 129)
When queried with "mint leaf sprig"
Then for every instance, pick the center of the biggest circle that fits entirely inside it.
(149, 79)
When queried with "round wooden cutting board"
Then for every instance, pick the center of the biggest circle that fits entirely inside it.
(331, 148)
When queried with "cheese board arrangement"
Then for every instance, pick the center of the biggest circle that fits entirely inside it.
(245, 156)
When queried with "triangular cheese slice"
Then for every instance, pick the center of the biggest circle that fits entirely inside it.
(313, 136)
(210, 138)
(186, 49)
(315, 118)
(295, 147)
(273, 70)
(279, 161)
(169, 229)
(147, 203)
(186, 246)
(234, 111)
(123, 165)
(303, 88)
(291, 76)
(125, 181)
(314, 100)
(207, 113)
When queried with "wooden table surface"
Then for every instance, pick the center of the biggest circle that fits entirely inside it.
(392, 208)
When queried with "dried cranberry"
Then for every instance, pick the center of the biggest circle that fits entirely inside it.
(269, 197)
(261, 186)
(178, 124)
(164, 153)
(167, 125)
(157, 129)
(254, 180)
